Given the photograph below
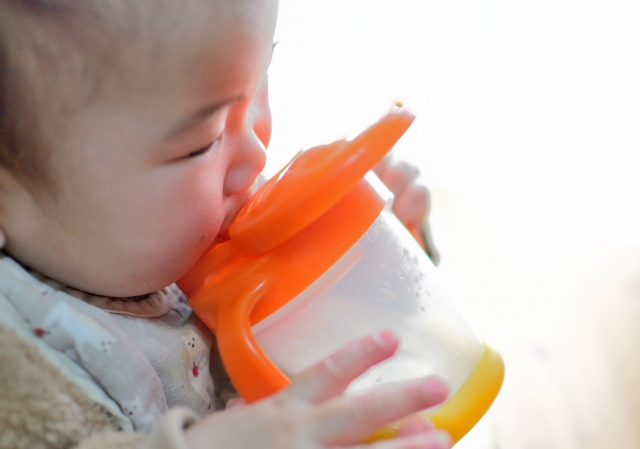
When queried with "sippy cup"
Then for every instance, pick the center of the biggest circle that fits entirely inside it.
(315, 260)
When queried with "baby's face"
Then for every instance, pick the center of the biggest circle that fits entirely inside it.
(150, 175)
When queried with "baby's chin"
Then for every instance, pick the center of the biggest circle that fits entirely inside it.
(127, 283)
(121, 291)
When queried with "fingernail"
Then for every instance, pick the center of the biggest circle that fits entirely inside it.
(444, 440)
(414, 425)
(435, 440)
(386, 339)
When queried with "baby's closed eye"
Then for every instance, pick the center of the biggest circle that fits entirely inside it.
(204, 149)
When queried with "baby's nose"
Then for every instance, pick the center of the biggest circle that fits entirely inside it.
(246, 163)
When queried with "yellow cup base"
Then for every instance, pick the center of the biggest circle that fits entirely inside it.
(465, 408)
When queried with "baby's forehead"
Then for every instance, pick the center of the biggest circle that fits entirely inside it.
(75, 62)
(68, 54)
(120, 43)
(93, 46)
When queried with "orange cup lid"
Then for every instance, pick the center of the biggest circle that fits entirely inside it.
(311, 183)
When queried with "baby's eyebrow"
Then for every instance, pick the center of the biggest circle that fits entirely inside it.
(199, 117)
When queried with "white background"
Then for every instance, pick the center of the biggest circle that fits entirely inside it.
(528, 112)
(528, 109)
(528, 132)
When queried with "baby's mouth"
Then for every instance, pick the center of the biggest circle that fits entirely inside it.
(223, 236)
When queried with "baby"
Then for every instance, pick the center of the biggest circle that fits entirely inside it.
(131, 134)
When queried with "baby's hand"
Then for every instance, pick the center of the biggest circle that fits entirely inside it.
(412, 202)
(312, 413)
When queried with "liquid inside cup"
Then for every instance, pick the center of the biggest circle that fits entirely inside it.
(384, 282)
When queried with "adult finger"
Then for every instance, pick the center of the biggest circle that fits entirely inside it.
(350, 418)
(332, 375)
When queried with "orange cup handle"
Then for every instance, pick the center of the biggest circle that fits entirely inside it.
(253, 374)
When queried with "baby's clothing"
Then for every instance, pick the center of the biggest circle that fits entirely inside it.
(133, 359)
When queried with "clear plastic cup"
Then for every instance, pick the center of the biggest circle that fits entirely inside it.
(384, 282)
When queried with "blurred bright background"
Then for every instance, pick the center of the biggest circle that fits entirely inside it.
(528, 131)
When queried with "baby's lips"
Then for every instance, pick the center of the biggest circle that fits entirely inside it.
(223, 236)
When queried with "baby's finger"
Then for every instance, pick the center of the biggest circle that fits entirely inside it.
(331, 376)
(398, 176)
(432, 440)
(235, 403)
(383, 165)
(414, 425)
(347, 419)
(413, 205)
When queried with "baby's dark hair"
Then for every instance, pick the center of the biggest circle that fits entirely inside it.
(56, 58)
